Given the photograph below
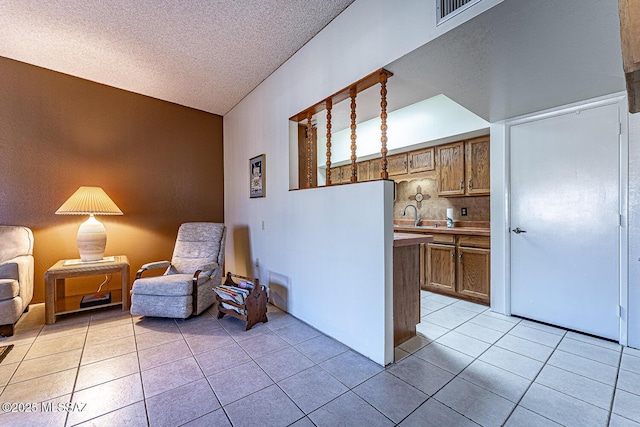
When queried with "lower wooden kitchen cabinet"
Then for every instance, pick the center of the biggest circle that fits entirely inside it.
(458, 265)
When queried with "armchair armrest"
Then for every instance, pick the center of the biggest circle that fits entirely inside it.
(20, 268)
(9, 269)
(152, 266)
(206, 268)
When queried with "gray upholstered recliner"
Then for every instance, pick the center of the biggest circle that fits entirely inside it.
(16, 275)
(186, 287)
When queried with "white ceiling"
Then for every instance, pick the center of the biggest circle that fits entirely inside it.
(518, 57)
(205, 54)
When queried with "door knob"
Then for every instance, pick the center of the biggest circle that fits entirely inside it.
(518, 230)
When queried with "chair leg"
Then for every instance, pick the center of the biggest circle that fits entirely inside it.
(6, 330)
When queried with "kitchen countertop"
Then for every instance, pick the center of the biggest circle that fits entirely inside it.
(469, 231)
(408, 239)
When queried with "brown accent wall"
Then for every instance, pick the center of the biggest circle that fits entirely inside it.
(160, 162)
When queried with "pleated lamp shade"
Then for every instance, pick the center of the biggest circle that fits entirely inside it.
(87, 201)
(92, 236)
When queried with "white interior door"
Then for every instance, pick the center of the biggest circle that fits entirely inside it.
(565, 197)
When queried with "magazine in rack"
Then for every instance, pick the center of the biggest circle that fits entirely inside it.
(245, 300)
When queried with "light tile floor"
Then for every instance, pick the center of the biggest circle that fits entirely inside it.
(467, 367)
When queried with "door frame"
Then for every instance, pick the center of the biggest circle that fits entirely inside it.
(623, 252)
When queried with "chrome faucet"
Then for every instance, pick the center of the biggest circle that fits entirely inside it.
(404, 212)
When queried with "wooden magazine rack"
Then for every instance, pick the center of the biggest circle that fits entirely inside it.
(255, 305)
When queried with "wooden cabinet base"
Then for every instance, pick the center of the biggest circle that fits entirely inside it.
(458, 266)
(457, 295)
(406, 292)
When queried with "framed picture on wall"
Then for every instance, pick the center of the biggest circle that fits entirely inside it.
(257, 169)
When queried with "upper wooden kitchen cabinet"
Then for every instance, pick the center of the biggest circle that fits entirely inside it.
(397, 164)
(341, 174)
(477, 166)
(363, 171)
(422, 160)
(450, 169)
(463, 168)
(375, 169)
(345, 172)
(336, 175)
(460, 168)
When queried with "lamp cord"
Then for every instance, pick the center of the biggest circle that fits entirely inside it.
(107, 279)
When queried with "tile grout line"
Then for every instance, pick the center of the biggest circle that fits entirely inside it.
(615, 387)
(475, 359)
(80, 365)
(205, 376)
(305, 415)
(583, 376)
(564, 336)
(260, 367)
(432, 396)
(315, 364)
(20, 362)
(144, 396)
(533, 381)
(75, 380)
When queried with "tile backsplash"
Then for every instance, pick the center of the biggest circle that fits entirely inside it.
(433, 207)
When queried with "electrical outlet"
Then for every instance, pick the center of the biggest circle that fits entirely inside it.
(257, 262)
(463, 211)
(263, 225)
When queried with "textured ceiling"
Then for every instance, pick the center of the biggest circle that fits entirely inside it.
(205, 54)
(518, 57)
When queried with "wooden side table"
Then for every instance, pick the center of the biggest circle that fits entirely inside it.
(57, 303)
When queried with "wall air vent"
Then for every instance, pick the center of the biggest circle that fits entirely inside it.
(449, 8)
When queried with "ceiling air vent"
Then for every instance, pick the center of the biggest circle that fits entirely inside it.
(450, 8)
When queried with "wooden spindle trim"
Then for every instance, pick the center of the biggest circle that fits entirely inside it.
(383, 125)
(329, 105)
(354, 168)
(309, 141)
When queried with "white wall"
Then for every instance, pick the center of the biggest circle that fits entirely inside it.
(634, 231)
(499, 219)
(366, 36)
(338, 284)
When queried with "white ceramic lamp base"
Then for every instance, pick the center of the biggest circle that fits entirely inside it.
(92, 239)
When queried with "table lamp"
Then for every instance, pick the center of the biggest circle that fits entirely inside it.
(92, 237)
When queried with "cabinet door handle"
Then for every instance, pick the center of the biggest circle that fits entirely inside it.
(470, 187)
(453, 256)
(462, 184)
(460, 258)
